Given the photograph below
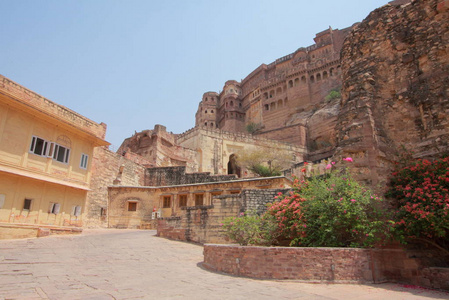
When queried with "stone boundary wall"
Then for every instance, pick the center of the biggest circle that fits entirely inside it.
(237, 137)
(166, 176)
(336, 265)
(108, 168)
(22, 231)
(201, 224)
(256, 200)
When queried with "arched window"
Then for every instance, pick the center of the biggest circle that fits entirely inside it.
(290, 84)
(267, 107)
(273, 105)
(205, 111)
(296, 81)
(312, 79)
(303, 79)
(331, 71)
(211, 124)
(318, 77)
(205, 123)
(212, 111)
(325, 75)
(278, 91)
(280, 103)
(232, 103)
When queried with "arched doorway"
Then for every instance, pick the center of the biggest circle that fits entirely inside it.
(233, 168)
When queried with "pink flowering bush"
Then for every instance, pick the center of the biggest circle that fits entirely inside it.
(420, 194)
(337, 211)
(330, 210)
(287, 213)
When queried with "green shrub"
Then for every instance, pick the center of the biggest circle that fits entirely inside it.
(251, 229)
(331, 210)
(340, 212)
(333, 94)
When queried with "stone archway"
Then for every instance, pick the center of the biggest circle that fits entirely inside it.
(233, 168)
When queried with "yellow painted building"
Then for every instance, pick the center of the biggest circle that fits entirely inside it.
(46, 152)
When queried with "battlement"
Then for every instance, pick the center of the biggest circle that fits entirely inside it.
(235, 136)
(27, 97)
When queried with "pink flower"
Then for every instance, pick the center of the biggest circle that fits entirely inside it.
(328, 166)
(352, 200)
(348, 159)
(221, 224)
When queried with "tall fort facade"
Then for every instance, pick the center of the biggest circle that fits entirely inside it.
(272, 95)
(271, 109)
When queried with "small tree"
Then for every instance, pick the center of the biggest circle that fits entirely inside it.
(264, 162)
(253, 127)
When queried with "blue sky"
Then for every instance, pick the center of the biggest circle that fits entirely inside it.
(135, 63)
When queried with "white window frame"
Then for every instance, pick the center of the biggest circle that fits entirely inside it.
(47, 147)
(76, 210)
(54, 208)
(66, 154)
(84, 161)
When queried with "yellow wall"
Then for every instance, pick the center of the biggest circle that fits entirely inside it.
(151, 198)
(16, 131)
(18, 188)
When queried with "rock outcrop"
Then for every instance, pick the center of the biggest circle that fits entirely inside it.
(395, 67)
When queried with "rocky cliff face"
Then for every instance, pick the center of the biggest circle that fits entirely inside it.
(395, 90)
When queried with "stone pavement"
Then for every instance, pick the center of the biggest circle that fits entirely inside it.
(133, 264)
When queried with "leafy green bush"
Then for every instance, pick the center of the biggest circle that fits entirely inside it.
(331, 210)
(253, 127)
(251, 229)
(264, 171)
(333, 94)
(340, 212)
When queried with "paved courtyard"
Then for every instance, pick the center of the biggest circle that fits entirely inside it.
(133, 264)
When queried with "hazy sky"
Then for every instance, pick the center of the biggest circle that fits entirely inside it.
(135, 63)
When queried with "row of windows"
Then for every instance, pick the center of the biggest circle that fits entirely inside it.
(273, 105)
(211, 99)
(295, 82)
(53, 150)
(182, 200)
(166, 201)
(53, 207)
(212, 111)
(211, 124)
(231, 104)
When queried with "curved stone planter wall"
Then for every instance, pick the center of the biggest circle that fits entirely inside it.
(324, 264)
(314, 264)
